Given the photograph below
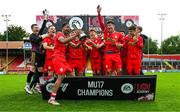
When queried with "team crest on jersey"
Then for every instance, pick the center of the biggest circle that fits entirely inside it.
(49, 67)
(116, 36)
(61, 69)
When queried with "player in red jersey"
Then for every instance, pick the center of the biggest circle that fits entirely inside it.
(61, 67)
(113, 42)
(134, 44)
(124, 56)
(48, 45)
(75, 55)
(124, 59)
(94, 44)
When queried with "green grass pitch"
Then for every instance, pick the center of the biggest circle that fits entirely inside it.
(14, 98)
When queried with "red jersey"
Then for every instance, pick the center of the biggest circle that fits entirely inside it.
(95, 53)
(134, 51)
(75, 53)
(110, 39)
(124, 49)
(60, 48)
(50, 42)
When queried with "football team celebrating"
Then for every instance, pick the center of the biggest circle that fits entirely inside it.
(66, 53)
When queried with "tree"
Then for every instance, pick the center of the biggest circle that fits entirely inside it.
(15, 33)
(171, 45)
(153, 48)
(1, 37)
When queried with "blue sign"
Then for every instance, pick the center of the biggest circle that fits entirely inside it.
(27, 45)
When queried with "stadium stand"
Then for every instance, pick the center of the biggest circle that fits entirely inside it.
(17, 55)
(3, 61)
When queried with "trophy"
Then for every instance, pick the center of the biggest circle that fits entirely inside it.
(82, 35)
(46, 14)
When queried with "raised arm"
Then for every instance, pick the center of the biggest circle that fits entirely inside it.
(65, 40)
(42, 27)
(100, 18)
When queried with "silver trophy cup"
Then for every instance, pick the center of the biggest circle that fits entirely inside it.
(46, 14)
(82, 35)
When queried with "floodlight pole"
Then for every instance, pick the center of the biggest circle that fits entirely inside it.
(161, 19)
(6, 19)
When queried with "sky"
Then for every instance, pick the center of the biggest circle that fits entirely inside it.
(23, 12)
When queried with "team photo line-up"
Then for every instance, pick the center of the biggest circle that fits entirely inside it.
(64, 53)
